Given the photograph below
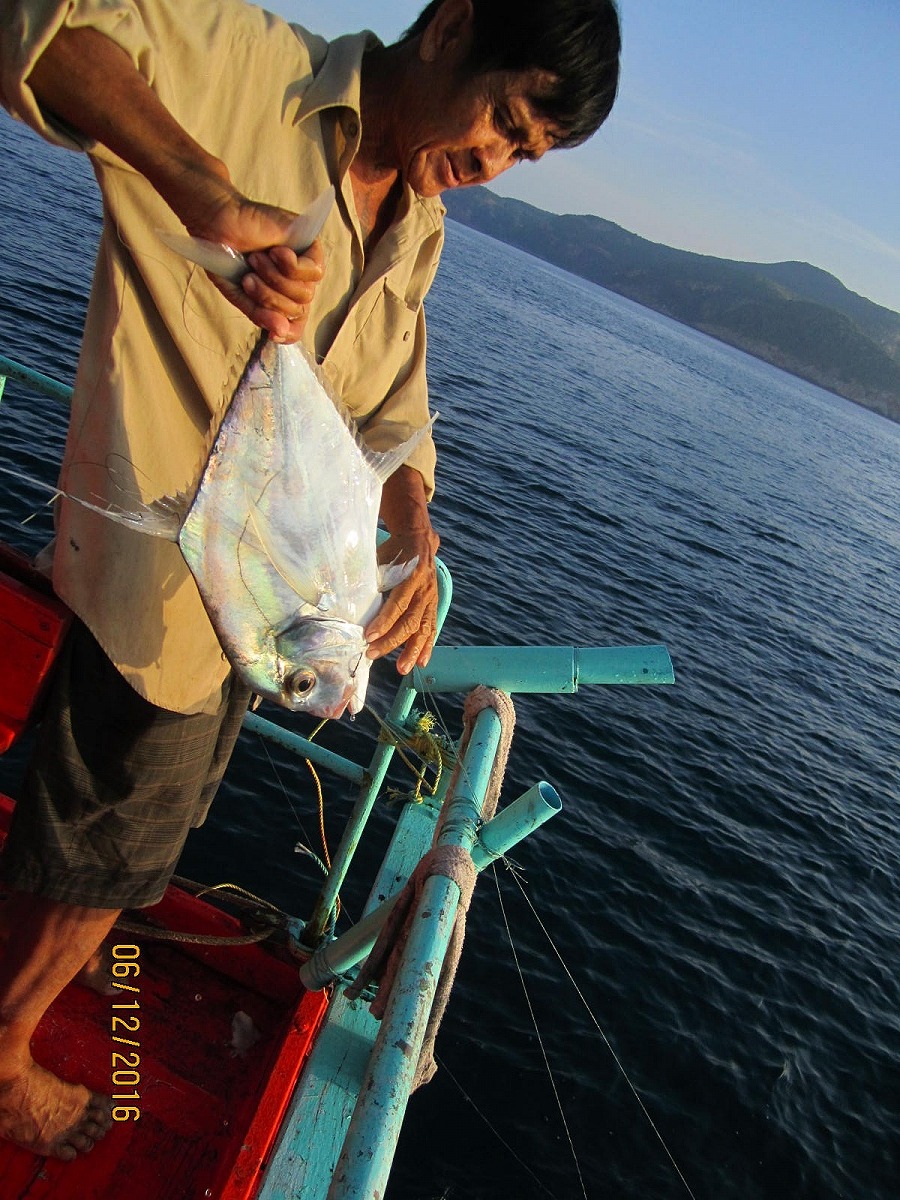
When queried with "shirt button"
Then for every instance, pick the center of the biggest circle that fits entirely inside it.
(406, 336)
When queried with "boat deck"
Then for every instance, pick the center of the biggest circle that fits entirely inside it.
(208, 1114)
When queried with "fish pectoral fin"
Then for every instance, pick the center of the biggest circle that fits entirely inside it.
(390, 574)
(273, 546)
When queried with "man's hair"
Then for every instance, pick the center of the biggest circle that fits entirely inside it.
(577, 41)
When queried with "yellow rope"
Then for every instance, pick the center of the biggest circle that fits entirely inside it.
(321, 798)
(425, 744)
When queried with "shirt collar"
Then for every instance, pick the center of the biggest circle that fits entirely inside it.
(337, 81)
(337, 86)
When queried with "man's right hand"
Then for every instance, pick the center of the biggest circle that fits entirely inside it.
(277, 292)
(89, 82)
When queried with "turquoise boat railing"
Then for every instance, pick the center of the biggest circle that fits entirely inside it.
(340, 1132)
(10, 369)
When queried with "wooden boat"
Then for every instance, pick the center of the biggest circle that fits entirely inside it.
(245, 1070)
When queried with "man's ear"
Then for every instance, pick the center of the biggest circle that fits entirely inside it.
(449, 30)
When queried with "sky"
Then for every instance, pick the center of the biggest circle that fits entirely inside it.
(762, 130)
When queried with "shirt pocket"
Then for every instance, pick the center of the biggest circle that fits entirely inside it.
(381, 355)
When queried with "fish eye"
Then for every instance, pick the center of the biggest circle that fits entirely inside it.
(300, 684)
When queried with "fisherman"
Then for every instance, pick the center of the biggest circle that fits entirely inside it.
(223, 119)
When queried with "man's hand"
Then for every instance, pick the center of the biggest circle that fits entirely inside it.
(90, 83)
(408, 616)
(277, 292)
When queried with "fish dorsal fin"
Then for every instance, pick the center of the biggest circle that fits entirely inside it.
(382, 463)
(160, 518)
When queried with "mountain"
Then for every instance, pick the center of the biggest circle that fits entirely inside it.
(791, 314)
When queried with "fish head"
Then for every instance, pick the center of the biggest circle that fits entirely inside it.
(322, 667)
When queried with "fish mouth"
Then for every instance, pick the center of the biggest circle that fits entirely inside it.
(338, 709)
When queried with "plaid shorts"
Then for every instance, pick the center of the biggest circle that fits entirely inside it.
(113, 786)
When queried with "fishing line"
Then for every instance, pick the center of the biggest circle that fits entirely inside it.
(38, 511)
(284, 790)
(496, 1132)
(515, 874)
(339, 908)
(422, 742)
(537, 1031)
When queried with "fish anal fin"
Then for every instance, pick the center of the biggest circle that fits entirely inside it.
(160, 518)
(384, 463)
(390, 574)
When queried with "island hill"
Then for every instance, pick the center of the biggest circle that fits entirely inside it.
(790, 314)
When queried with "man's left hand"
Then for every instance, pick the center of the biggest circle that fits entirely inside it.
(408, 616)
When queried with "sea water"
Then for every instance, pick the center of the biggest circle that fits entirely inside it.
(722, 881)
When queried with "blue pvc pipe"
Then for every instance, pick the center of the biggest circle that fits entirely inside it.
(507, 829)
(9, 368)
(301, 746)
(515, 822)
(365, 1162)
(547, 669)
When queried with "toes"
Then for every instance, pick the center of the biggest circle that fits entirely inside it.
(100, 1110)
(80, 1141)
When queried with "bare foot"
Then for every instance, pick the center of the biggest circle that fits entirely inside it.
(41, 1113)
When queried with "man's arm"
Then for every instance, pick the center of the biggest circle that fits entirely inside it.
(91, 84)
(409, 613)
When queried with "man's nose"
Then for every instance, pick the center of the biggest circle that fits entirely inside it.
(493, 161)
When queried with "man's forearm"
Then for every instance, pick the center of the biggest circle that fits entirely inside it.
(91, 84)
(404, 506)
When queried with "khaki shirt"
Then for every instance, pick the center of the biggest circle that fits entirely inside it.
(163, 350)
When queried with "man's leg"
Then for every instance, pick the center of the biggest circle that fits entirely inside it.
(112, 789)
(49, 942)
(95, 974)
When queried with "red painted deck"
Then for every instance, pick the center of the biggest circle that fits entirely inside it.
(208, 1117)
(32, 625)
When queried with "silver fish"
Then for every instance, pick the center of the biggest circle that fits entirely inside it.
(280, 535)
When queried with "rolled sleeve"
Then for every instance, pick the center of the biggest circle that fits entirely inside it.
(28, 29)
(175, 52)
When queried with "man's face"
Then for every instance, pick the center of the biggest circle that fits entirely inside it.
(470, 131)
